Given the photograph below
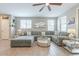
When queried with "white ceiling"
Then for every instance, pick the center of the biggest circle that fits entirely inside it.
(27, 10)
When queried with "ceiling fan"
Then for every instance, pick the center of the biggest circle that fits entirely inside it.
(46, 5)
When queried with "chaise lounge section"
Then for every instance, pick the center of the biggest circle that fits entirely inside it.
(22, 41)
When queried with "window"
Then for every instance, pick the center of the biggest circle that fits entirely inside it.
(28, 24)
(22, 24)
(62, 24)
(25, 24)
(51, 25)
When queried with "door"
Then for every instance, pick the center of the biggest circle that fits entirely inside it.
(4, 28)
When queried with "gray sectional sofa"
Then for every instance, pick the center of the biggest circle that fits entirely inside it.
(22, 39)
(51, 34)
(60, 37)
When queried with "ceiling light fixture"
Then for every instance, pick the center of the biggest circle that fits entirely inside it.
(47, 4)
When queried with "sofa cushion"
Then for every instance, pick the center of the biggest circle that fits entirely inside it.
(25, 33)
(63, 34)
(20, 33)
(49, 33)
(35, 33)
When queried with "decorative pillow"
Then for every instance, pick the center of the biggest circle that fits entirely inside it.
(28, 33)
(43, 33)
(72, 35)
(19, 32)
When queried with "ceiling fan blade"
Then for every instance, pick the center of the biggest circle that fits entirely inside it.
(55, 3)
(41, 9)
(49, 8)
(38, 4)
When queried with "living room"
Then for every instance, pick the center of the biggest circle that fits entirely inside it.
(39, 30)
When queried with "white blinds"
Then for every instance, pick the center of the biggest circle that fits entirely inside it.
(51, 24)
(25, 24)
